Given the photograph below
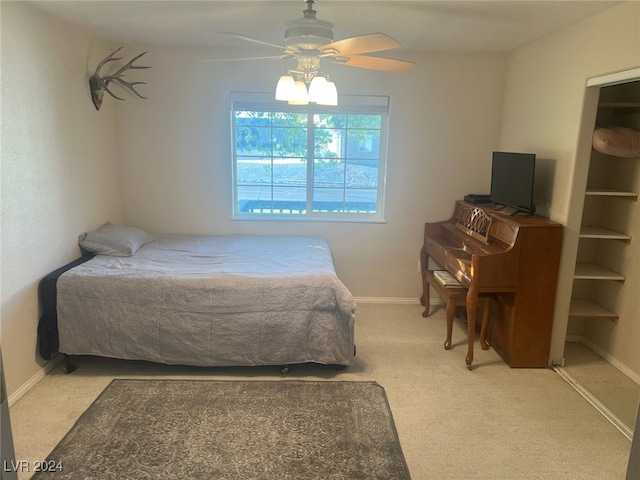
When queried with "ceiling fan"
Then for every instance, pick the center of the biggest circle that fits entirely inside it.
(309, 40)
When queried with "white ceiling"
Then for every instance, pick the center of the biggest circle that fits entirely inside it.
(427, 25)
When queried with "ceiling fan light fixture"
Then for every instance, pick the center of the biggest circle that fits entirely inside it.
(309, 40)
(285, 89)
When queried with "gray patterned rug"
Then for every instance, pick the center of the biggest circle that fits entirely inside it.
(199, 429)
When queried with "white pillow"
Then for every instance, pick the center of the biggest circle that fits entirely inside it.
(114, 240)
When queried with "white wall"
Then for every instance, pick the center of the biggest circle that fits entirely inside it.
(59, 167)
(444, 123)
(543, 110)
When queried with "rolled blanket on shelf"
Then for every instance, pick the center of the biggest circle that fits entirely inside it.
(617, 141)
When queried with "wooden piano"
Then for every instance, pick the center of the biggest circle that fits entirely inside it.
(515, 258)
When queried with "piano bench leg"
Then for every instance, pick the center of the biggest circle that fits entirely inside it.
(451, 311)
(452, 304)
(485, 300)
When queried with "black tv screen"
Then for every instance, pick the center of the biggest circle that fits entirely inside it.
(512, 177)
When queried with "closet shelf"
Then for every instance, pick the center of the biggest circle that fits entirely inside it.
(619, 105)
(593, 271)
(609, 192)
(590, 231)
(587, 309)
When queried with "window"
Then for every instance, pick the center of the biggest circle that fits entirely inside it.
(309, 162)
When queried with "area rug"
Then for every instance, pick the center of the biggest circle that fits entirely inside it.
(200, 429)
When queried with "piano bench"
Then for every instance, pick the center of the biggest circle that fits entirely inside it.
(455, 297)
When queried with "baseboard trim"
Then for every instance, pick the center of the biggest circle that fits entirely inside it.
(606, 356)
(393, 300)
(39, 375)
(597, 404)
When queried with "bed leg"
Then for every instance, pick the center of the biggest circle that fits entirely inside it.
(68, 366)
(285, 369)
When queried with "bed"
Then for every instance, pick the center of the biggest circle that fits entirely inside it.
(236, 300)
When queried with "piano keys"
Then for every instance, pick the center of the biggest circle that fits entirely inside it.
(513, 257)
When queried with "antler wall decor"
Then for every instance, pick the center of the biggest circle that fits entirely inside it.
(99, 85)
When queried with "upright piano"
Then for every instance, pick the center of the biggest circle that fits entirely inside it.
(513, 257)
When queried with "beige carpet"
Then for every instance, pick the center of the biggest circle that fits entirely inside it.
(612, 388)
(490, 423)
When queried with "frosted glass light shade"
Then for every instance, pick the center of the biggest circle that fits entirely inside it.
(329, 94)
(300, 96)
(317, 88)
(285, 90)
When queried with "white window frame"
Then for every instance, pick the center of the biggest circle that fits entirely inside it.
(363, 105)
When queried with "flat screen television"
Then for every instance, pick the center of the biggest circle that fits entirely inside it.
(512, 178)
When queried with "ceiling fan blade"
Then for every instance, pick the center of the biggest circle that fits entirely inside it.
(289, 49)
(372, 42)
(374, 63)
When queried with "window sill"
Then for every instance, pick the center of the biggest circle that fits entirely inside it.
(288, 218)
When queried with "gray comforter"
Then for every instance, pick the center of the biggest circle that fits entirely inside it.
(211, 301)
